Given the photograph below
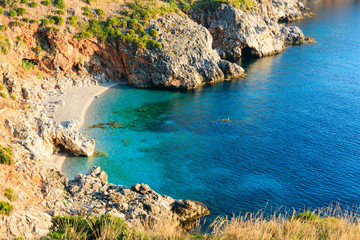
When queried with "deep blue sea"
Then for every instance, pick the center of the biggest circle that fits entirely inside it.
(293, 140)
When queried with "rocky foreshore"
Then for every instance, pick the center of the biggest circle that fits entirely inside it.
(195, 51)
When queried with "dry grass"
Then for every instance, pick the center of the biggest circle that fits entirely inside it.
(330, 223)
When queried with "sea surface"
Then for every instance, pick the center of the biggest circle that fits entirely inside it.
(293, 139)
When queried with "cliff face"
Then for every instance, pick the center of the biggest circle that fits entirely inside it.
(254, 32)
(186, 59)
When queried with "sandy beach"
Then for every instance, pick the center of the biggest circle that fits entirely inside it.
(72, 105)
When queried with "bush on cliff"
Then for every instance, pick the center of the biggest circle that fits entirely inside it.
(3, 28)
(60, 4)
(9, 3)
(9, 193)
(33, 4)
(73, 20)
(46, 2)
(12, 13)
(21, 11)
(27, 65)
(212, 5)
(4, 44)
(5, 208)
(6, 156)
(1, 10)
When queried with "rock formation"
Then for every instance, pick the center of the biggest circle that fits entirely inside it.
(91, 194)
(186, 59)
(255, 31)
(42, 136)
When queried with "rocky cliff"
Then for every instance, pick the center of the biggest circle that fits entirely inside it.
(255, 31)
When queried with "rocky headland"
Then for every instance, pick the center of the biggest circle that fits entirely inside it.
(183, 47)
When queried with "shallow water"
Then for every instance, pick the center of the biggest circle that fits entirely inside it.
(292, 142)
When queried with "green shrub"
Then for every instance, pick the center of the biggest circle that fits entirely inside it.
(153, 32)
(84, 35)
(16, 24)
(1, 87)
(53, 29)
(59, 20)
(3, 28)
(100, 12)
(46, 2)
(4, 50)
(151, 44)
(27, 64)
(185, 7)
(19, 38)
(32, 21)
(3, 95)
(9, 193)
(21, 11)
(6, 156)
(25, 20)
(12, 96)
(5, 208)
(1, 10)
(60, 4)
(9, 3)
(33, 4)
(60, 12)
(13, 13)
(45, 21)
(73, 20)
(131, 31)
(24, 1)
(86, 9)
(212, 5)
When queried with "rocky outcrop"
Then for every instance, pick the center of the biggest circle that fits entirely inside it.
(254, 32)
(42, 136)
(91, 194)
(186, 59)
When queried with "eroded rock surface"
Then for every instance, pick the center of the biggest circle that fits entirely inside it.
(254, 32)
(42, 136)
(91, 194)
(186, 59)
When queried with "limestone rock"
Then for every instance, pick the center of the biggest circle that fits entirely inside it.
(186, 59)
(41, 135)
(255, 32)
(91, 194)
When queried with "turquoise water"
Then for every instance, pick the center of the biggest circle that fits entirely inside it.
(292, 142)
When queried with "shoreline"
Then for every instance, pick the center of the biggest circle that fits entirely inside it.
(73, 105)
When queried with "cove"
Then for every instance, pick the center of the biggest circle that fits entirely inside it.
(292, 140)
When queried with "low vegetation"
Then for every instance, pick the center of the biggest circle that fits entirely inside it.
(27, 64)
(6, 156)
(9, 193)
(5, 208)
(104, 227)
(212, 5)
(320, 224)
